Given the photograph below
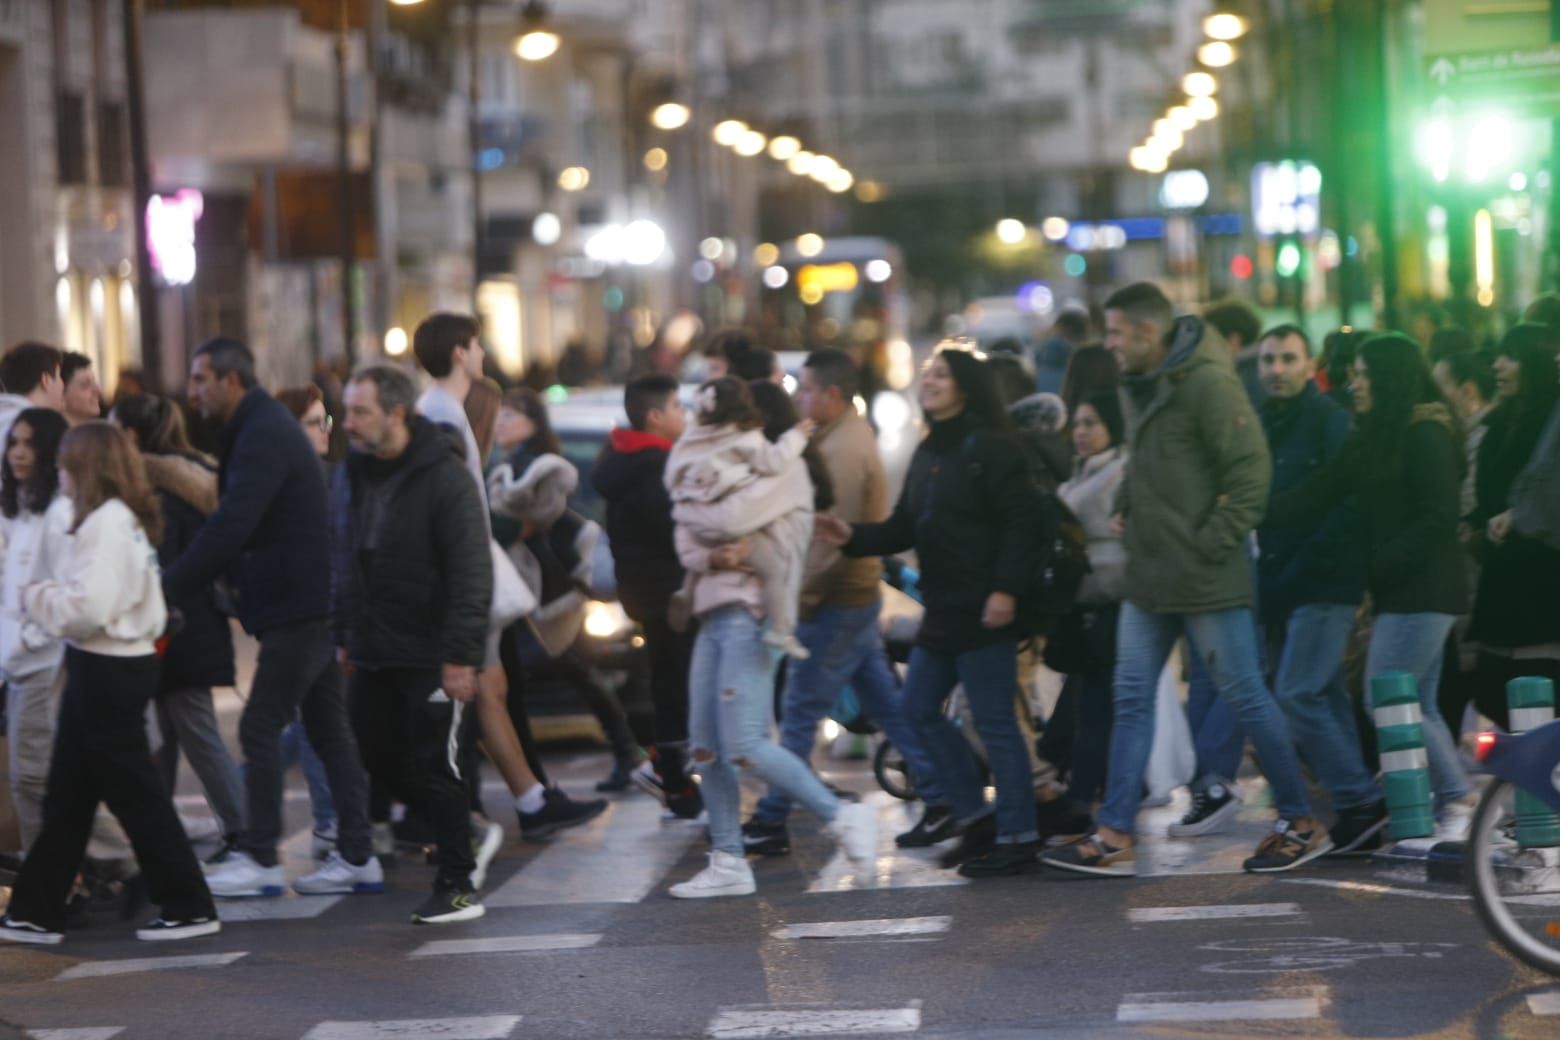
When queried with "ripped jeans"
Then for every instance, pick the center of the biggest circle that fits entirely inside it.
(731, 695)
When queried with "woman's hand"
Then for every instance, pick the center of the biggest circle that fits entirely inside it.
(1499, 527)
(830, 529)
(1000, 611)
(805, 427)
(730, 557)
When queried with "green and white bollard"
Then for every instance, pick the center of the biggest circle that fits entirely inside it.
(1405, 768)
(1531, 701)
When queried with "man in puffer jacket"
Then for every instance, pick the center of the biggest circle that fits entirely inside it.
(1197, 481)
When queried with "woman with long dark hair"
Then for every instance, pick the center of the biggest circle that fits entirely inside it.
(1404, 465)
(200, 655)
(35, 521)
(106, 602)
(1516, 612)
(967, 511)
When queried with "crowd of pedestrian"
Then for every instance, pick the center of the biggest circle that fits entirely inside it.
(1263, 505)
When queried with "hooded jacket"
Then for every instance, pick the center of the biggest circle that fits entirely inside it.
(630, 477)
(201, 654)
(1197, 478)
(411, 573)
(1414, 563)
(1091, 495)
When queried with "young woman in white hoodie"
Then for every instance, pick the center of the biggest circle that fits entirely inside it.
(106, 602)
(35, 524)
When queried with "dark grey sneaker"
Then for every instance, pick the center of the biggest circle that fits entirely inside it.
(448, 907)
(935, 825)
(558, 812)
(1286, 847)
(762, 838)
(1359, 829)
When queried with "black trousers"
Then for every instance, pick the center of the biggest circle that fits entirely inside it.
(671, 655)
(514, 674)
(101, 756)
(414, 740)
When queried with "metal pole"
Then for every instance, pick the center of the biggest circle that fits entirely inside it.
(474, 129)
(1551, 279)
(141, 184)
(1386, 188)
(344, 199)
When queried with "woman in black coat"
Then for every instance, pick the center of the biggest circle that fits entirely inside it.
(967, 509)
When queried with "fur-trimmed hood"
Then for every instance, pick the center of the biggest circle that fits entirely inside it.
(538, 495)
(190, 478)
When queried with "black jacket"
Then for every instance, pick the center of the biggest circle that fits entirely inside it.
(629, 477)
(1415, 563)
(1517, 602)
(967, 509)
(201, 654)
(411, 573)
(269, 531)
(1322, 563)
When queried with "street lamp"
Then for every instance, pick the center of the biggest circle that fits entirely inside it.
(1216, 55)
(1204, 108)
(1199, 84)
(535, 41)
(1224, 26)
(670, 116)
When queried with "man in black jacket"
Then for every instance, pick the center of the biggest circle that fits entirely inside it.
(629, 476)
(411, 582)
(269, 535)
(1311, 586)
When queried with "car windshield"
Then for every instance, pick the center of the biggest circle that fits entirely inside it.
(581, 448)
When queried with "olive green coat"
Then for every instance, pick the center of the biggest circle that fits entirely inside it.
(1197, 479)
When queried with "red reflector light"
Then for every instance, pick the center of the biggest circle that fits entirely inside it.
(1482, 745)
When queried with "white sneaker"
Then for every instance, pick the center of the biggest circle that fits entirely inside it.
(1454, 822)
(240, 877)
(727, 875)
(855, 828)
(337, 876)
(485, 841)
(383, 838)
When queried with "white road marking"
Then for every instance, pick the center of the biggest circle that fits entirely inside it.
(488, 1027)
(1379, 890)
(1544, 1004)
(886, 927)
(895, 867)
(619, 857)
(289, 907)
(759, 1023)
(1174, 1007)
(98, 969)
(90, 1033)
(1150, 914)
(506, 944)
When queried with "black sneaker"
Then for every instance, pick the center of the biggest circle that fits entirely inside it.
(1062, 816)
(1211, 810)
(12, 930)
(935, 825)
(1359, 829)
(1285, 848)
(166, 930)
(975, 838)
(762, 838)
(448, 907)
(1002, 860)
(686, 806)
(620, 779)
(558, 812)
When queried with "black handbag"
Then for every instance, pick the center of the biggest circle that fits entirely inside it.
(1083, 641)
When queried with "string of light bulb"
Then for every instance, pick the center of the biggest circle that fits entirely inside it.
(1198, 103)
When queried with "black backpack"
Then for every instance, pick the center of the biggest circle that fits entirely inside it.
(1051, 588)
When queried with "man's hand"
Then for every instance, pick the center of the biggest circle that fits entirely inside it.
(1118, 526)
(460, 682)
(1000, 610)
(343, 660)
(730, 557)
(1499, 527)
(830, 529)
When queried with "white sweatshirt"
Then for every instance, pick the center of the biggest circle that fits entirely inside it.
(107, 597)
(33, 547)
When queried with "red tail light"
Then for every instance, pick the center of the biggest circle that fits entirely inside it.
(1482, 745)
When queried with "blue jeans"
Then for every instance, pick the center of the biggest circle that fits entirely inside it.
(1227, 642)
(1216, 734)
(730, 714)
(1311, 690)
(846, 648)
(990, 678)
(1414, 643)
(296, 748)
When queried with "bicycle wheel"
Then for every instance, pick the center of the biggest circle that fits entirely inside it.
(1516, 890)
(888, 765)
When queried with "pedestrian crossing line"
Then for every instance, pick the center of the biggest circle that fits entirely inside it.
(484, 1027)
(619, 857)
(895, 867)
(1544, 1004)
(506, 944)
(1373, 889)
(137, 965)
(89, 1033)
(877, 928)
(1192, 1007)
(1156, 914)
(770, 1023)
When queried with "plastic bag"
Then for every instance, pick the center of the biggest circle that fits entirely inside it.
(1173, 760)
